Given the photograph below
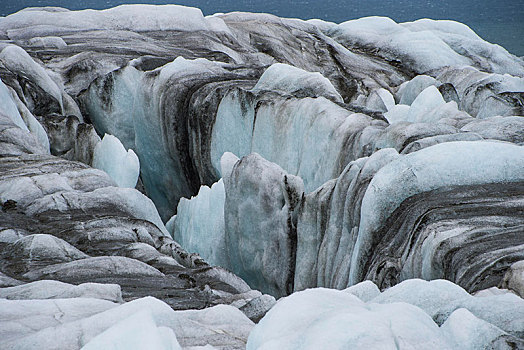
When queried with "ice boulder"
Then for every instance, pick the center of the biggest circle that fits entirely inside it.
(110, 156)
(260, 221)
(139, 332)
(9, 108)
(409, 90)
(295, 81)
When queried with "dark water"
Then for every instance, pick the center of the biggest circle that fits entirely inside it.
(497, 21)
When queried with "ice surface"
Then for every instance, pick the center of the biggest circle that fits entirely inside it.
(48, 42)
(330, 319)
(49, 289)
(138, 331)
(284, 132)
(445, 164)
(125, 17)
(426, 50)
(110, 156)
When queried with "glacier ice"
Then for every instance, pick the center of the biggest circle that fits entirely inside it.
(199, 224)
(259, 215)
(9, 107)
(446, 164)
(18, 61)
(50, 289)
(409, 90)
(319, 318)
(123, 166)
(370, 150)
(291, 80)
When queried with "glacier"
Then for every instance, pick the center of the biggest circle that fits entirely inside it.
(181, 181)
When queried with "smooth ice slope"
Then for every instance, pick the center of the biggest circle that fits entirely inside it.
(111, 157)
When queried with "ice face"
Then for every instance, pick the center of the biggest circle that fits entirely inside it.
(260, 223)
(199, 224)
(110, 156)
(446, 164)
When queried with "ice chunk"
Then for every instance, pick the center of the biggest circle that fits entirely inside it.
(439, 298)
(514, 278)
(380, 100)
(199, 224)
(227, 162)
(295, 81)
(429, 99)
(111, 157)
(409, 90)
(260, 220)
(469, 332)
(397, 113)
(365, 291)
(18, 61)
(8, 107)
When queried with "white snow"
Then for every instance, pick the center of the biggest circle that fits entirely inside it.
(123, 166)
